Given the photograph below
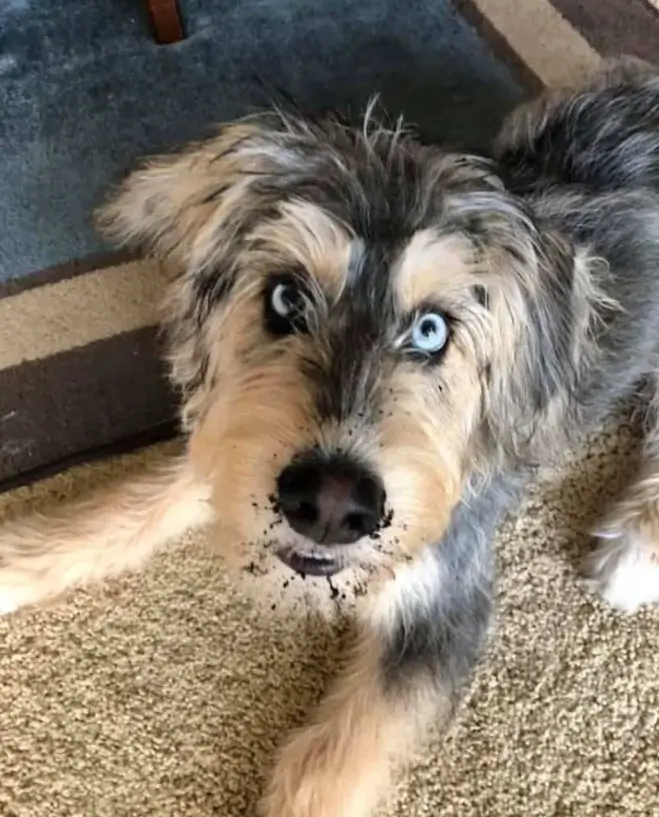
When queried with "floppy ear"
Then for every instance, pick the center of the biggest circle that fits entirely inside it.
(561, 302)
(166, 206)
(192, 208)
(549, 343)
(544, 299)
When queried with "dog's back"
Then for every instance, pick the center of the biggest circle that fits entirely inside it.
(603, 137)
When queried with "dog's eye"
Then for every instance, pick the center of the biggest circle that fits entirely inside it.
(284, 300)
(285, 307)
(430, 333)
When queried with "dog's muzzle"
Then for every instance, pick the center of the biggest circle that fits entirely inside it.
(329, 501)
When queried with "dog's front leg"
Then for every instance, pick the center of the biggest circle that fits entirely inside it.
(422, 640)
(338, 765)
(102, 535)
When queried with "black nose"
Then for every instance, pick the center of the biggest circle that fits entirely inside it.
(330, 501)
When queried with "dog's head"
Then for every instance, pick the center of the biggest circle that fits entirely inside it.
(359, 323)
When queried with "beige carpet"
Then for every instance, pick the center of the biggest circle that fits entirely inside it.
(163, 695)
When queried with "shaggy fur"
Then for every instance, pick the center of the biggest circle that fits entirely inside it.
(377, 343)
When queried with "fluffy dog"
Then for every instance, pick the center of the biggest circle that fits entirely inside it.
(377, 342)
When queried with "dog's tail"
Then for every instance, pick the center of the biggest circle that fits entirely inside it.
(115, 530)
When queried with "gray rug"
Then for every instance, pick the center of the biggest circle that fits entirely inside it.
(84, 90)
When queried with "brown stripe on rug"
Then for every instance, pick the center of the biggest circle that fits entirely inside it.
(74, 311)
(500, 46)
(105, 396)
(616, 27)
(80, 368)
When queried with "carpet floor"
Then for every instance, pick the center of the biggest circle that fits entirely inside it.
(164, 695)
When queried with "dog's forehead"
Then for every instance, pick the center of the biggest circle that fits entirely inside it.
(368, 218)
(380, 190)
(375, 269)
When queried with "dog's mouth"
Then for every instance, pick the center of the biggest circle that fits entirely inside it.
(309, 565)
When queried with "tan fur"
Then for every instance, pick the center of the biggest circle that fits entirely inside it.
(636, 513)
(624, 567)
(170, 200)
(341, 764)
(307, 237)
(113, 531)
(434, 268)
(640, 511)
(260, 422)
(423, 445)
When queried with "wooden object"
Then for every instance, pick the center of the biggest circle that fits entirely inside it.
(166, 21)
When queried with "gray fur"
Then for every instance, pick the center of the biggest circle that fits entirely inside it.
(588, 170)
(442, 630)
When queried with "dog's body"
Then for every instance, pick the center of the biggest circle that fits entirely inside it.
(376, 344)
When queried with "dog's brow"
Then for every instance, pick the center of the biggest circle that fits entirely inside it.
(307, 236)
(432, 268)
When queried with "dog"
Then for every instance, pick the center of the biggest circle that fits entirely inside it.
(377, 344)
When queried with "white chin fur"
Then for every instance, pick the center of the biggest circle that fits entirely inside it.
(622, 570)
(279, 591)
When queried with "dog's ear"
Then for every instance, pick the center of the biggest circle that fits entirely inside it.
(548, 341)
(172, 205)
(560, 301)
(544, 298)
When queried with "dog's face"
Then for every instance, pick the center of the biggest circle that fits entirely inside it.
(355, 320)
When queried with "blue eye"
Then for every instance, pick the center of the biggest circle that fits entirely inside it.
(430, 333)
(285, 308)
(285, 300)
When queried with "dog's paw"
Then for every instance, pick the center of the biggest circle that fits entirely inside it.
(8, 602)
(22, 574)
(311, 779)
(17, 590)
(298, 788)
(624, 569)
